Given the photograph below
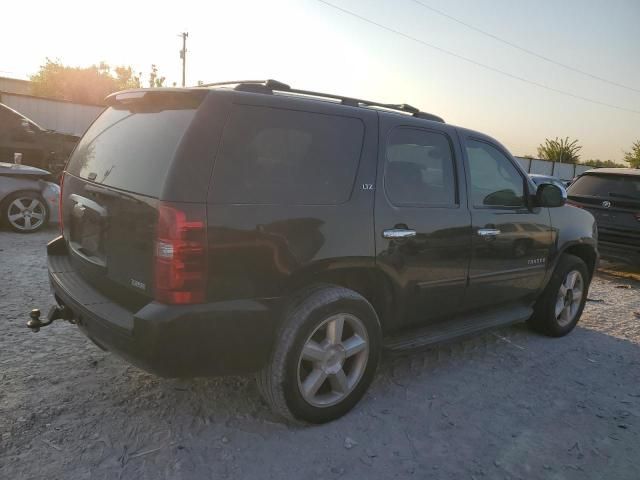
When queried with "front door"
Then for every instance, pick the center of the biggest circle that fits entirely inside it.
(423, 238)
(511, 241)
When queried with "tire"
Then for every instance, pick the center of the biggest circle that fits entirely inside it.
(25, 212)
(546, 318)
(287, 382)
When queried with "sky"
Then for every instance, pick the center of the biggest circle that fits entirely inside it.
(313, 46)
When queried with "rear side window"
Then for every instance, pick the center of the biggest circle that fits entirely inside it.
(277, 156)
(598, 185)
(131, 148)
(419, 169)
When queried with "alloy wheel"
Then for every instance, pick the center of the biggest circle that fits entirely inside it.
(333, 360)
(26, 213)
(569, 298)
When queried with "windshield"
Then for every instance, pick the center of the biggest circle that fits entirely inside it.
(17, 115)
(601, 185)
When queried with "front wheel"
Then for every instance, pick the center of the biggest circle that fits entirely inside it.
(559, 308)
(325, 356)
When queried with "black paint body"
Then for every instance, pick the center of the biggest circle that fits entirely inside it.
(259, 254)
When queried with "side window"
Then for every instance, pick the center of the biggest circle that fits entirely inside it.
(286, 157)
(495, 182)
(419, 169)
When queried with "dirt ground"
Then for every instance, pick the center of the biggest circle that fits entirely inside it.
(506, 404)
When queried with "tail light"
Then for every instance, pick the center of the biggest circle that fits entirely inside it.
(180, 256)
(637, 215)
(60, 216)
(574, 204)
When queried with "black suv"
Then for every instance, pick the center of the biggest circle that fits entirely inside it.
(257, 228)
(612, 195)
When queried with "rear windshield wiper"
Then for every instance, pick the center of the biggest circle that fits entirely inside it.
(623, 195)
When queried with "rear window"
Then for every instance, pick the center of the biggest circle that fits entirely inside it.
(277, 156)
(131, 147)
(599, 185)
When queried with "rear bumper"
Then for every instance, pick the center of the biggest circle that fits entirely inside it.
(619, 244)
(619, 251)
(220, 338)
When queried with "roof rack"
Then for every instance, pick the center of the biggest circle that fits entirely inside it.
(270, 85)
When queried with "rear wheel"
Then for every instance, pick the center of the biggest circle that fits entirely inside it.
(559, 308)
(25, 212)
(325, 357)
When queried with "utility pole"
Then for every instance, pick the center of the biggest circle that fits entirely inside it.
(183, 55)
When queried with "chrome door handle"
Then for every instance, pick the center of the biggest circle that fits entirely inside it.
(398, 233)
(488, 232)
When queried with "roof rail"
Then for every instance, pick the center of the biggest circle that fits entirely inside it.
(270, 85)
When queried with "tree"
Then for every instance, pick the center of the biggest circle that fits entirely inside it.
(154, 80)
(83, 85)
(126, 79)
(633, 157)
(87, 85)
(601, 163)
(560, 150)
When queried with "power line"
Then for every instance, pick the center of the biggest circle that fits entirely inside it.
(525, 50)
(479, 64)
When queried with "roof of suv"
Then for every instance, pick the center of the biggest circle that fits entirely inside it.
(615, 171)
(271, 87)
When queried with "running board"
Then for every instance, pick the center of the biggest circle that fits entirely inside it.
(452, 329)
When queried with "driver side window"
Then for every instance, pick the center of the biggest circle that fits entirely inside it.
(495, 181)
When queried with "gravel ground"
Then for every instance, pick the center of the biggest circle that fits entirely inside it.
(506, 404)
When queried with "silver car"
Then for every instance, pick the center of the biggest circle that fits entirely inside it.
(28, 199)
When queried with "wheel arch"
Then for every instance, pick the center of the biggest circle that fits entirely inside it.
(584, 251)
(361, 277)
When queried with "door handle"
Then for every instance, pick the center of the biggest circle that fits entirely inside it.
(488, 232)
(398, 233)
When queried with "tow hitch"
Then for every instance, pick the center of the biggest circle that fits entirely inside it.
(55, 312)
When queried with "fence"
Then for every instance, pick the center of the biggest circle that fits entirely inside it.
(61, 116)
(563, 171)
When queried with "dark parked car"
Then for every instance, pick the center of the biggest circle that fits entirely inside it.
(28, 198)
(37, 146)
(612, 195)
(258, 228)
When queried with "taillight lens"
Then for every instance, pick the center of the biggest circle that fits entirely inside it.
(180, 254)
(574, 204)
(637, 215)
(60, 216)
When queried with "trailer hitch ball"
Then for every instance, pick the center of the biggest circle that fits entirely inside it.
(55, 312)
(34, 324)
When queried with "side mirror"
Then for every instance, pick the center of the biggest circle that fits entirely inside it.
(550, 195)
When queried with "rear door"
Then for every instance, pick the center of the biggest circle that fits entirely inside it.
(113, 185)
(511, 242)
(286, 195)
(421, 220)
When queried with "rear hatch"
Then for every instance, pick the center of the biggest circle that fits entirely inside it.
(113, 187)
(614, 201)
